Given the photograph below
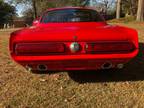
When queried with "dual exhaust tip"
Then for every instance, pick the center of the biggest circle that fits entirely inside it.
(105, 66)
(40, 67)
(109, 65)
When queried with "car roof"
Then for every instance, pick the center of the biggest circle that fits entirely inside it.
(51, 9)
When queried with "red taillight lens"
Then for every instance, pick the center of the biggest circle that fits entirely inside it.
(39, 48)
(110, 47)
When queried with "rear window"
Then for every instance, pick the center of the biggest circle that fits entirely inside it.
(71, 15)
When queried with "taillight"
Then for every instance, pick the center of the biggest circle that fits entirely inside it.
(39, 48)
(110, 47)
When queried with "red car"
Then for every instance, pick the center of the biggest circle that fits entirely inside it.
(73, 38)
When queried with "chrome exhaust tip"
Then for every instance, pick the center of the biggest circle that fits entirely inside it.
(120, 66)
(42, 67)
(107, 65)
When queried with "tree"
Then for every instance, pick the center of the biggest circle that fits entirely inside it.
(38, 6)
(34, 8)
(31, 3)
(118, 8)
(28, 16)
(106, 5)
(129, 7)
(140, 11)
(6, 12)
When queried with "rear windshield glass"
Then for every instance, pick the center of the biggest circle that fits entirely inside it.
(71, 15)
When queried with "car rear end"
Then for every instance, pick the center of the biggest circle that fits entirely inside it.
(73, 55)
(75, 39)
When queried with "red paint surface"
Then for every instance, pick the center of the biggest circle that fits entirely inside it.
(86, 32)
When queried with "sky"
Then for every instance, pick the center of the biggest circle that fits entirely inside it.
(19, 8)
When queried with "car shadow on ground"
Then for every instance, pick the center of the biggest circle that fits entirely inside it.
(133, 71)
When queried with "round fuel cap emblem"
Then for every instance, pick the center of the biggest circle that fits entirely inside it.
(75, 47)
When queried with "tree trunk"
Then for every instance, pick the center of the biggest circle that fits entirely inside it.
(140, 11)
(118, 9)
(34, 8)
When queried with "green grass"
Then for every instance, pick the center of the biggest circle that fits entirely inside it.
(115, 89)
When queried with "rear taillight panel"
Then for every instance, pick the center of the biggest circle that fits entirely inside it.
(109, 47)
(64, 48)
(39, 48)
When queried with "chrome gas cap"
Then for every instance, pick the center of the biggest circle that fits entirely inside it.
(74, 47)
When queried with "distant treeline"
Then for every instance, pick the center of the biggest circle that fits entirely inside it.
(110, 9)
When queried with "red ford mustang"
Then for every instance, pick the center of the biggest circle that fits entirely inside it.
(73, 38)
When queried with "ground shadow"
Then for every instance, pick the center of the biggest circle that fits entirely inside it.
(133, 71)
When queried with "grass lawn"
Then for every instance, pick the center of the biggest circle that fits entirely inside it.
(115, 89)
